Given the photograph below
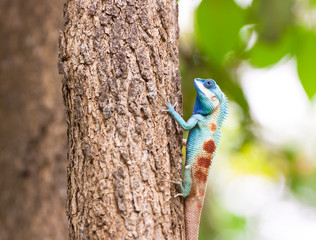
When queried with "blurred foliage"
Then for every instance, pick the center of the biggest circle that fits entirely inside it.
(223, 33)
(252, 159)
(214, 217)
(280, 31)
(227, 35)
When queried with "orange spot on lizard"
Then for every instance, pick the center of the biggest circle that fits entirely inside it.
(209, 146)
(201, 176)
(213, 127)
(204, 162)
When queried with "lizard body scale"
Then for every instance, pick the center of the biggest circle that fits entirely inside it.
(204, 128)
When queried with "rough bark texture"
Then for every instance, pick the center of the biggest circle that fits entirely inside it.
(32, 130)
(115, 57)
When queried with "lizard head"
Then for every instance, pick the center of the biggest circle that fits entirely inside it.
(209, 95)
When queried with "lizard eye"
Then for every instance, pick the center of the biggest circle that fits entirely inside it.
(209, 84)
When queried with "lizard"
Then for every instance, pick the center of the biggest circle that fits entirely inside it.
(204, 128)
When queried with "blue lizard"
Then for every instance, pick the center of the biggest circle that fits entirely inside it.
(204, 126)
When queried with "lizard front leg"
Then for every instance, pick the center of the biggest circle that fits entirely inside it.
(191, 123)
(185, 125)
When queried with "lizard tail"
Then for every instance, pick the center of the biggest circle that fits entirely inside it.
(192, 211)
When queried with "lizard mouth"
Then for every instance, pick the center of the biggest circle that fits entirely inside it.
(195, 81)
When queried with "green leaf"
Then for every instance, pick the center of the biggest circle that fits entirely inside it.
(217, 27)
(306, 61)
(263, 53)
(273, 17)
(273, 22)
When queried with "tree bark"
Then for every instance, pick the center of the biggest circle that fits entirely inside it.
(115, 56)
(32, 130)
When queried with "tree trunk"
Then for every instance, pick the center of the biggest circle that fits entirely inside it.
(32, 129)
(115, 57)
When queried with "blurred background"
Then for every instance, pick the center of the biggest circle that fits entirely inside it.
(33, 142)
(262, 53)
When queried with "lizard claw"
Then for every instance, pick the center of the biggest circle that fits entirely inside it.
(178, 195)
(171, 181)
(167, 103)
(175, 182)
(162, 98)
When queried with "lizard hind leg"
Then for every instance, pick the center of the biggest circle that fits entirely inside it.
(187, 182)
(185, 187)
(175, 182)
